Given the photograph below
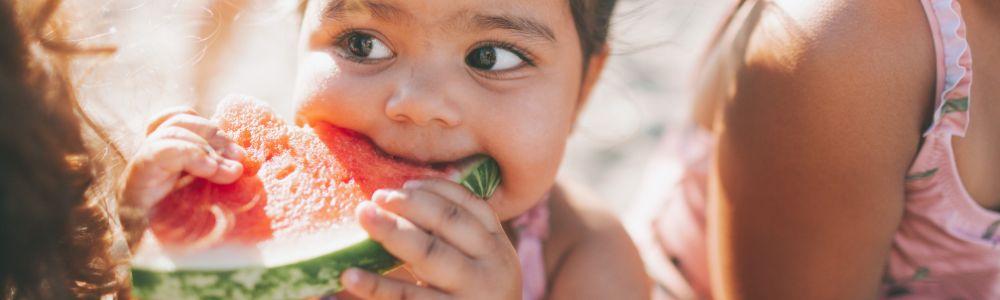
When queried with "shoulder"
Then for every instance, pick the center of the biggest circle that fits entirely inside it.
(822, 122)
(875, 55)
(849, 43)
(850, 71)
(596, 249)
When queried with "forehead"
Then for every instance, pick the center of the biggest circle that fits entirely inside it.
(541, 18)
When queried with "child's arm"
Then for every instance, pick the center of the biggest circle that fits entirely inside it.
(179, 144)
(814, 146)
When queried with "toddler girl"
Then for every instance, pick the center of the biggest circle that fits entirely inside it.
(436, 82)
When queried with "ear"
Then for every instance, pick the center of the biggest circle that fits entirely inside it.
(595, 66)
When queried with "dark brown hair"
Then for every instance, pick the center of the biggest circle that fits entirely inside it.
(591, 17)
(56, 239)
(593, 23)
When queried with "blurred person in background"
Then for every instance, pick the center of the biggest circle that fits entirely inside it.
(833, 156)
(58, 225)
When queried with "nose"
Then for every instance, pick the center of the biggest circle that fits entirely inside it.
(423, 103)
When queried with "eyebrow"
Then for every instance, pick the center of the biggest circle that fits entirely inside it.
(336, 9)
(520, 25)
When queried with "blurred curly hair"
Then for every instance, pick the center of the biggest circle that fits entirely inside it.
(56, 226)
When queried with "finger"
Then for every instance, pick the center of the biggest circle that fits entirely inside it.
(176, 156)
(158, 119)
(460, 195)
(440, 216)
(228, 149)
(179, 133)
(366, 285)
(209, 131)
(431, 258)
(231, 150)
(203, 127)
(184, 134)
(164, 164)
(229, 171)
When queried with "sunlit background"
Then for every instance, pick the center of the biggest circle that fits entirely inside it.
(181, 52)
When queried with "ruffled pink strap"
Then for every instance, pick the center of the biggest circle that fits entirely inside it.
(951, 115)
(532, 228)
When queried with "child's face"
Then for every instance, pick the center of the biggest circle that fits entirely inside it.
(437, 81)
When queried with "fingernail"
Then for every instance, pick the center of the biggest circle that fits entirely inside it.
(352, 277)
(412, 184)
(395, 194)
(232, 165)
(211, 162)
(367, 210)
(379, 197)
(235, 152)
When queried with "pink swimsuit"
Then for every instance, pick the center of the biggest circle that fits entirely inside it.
(946, 244)
(532, 228)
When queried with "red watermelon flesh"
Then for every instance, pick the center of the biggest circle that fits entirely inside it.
(297, 181)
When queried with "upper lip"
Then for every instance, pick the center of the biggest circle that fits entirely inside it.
(413, 151)
(417, 157)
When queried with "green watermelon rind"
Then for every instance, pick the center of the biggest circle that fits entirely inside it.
(481, 177)
(308, 278)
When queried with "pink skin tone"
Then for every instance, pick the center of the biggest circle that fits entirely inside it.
(398, 72)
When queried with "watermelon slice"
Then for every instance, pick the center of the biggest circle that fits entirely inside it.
(286, 228)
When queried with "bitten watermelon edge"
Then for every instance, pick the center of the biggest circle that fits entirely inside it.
(292, 278)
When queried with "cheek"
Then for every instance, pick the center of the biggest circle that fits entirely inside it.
(315, 71)
(528, 137)
(325, 93)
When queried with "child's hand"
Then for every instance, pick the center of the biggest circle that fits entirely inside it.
(179, 144)
(450, 239)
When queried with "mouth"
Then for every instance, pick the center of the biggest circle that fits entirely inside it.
(444, 166)
(478, 172)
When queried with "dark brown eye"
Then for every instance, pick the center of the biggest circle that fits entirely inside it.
(360, 45)
(364, 46)
(493, 58)
(483, 58)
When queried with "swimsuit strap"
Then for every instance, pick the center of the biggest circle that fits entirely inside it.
(532, 228)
